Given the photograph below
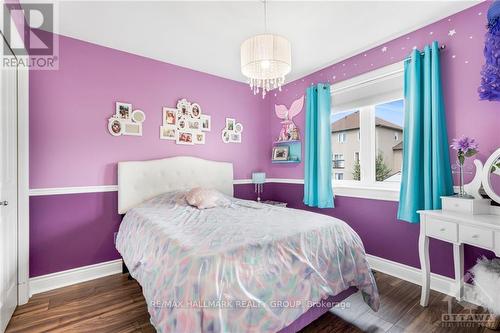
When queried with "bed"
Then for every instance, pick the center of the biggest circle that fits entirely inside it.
(242, 266)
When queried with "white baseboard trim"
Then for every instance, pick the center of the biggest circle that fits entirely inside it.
(56, 280)
(439, 283)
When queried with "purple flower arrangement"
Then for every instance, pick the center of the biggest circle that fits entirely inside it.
(465, 147)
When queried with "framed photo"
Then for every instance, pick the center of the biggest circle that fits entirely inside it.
(235, 137)
(184, 138)
(138, 116)
(238, 128)
(206, 123)
(184, 107)
(123, 110)
(280, 153)
(131, 128)
(225, 136)
(168, 132)
(182, 123)
(199, 138)
(230, 122)
(195, 110)
(193, 124)
(169, 116)
(115, 127)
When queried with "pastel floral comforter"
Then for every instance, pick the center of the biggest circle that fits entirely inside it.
(241, 267)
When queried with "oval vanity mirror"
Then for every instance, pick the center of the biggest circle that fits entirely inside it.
(491, 176)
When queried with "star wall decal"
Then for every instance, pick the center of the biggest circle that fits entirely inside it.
(452, 32)
(384, 49)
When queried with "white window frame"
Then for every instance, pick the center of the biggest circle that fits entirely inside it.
(367, 186)
(342, 135)
(396, 136)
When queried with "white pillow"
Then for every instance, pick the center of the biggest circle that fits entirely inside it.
(204, 198)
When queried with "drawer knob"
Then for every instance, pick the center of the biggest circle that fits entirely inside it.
(442, 229)
(475, 236)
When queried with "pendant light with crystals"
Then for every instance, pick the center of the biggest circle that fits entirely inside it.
(265, 60)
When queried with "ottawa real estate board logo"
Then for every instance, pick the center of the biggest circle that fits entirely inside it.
(28, 31)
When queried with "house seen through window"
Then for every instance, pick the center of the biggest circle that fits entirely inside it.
(346, 129)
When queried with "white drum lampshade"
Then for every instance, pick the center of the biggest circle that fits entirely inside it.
(265, 60)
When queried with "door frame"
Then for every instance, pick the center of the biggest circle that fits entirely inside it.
(23, 213)
(23, 217)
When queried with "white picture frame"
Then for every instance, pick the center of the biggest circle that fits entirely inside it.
(195, 111)
(115, 126)
(230, 122)
(193, 124)
(225, 136)
(184, 138)
(206, 123)
(138, 116)
(123, 111)
(199, 138)
(169, 116)
(184, 107)
(238, 128)
(168, 132)
(131, 128)
(234, 137)
(280, 153)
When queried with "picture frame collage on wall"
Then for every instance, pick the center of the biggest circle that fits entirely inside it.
(232, 132)
(125, 121)
(185, 124)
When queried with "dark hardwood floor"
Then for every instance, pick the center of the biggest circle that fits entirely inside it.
(116, 304)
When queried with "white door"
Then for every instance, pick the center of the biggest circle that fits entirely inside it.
(8, 191)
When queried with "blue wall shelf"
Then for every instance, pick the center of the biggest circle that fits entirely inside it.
(294, 150)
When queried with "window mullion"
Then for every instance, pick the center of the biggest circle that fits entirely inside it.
(367, 145)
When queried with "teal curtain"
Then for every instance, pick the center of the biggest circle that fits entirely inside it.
(426, 171)
(318, 163)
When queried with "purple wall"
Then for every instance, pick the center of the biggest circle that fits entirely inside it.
(74, 230)
(382, 233)
(70, 144)
(70, 107)
(461, 61)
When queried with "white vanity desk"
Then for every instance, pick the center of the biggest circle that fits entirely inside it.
(457, 228)
(463, 221)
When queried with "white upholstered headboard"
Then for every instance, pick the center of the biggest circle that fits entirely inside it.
(142, 180)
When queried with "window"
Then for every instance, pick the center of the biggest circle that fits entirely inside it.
(388, 146)
(338, 161)
(342, 138)
(345, 128)
(367, 133)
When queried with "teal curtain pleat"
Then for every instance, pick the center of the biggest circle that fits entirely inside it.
(318, 162)
(426, 171)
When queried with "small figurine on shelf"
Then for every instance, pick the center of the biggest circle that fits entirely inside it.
(289, 130)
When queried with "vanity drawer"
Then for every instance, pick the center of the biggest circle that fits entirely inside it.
(441, 229)
(476, 236)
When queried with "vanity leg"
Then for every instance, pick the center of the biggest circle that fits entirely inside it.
(458, 261)
(423, 251)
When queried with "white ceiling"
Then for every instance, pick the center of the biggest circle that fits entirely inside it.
(206, 36)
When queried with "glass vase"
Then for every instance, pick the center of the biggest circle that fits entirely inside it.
(461, 191)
